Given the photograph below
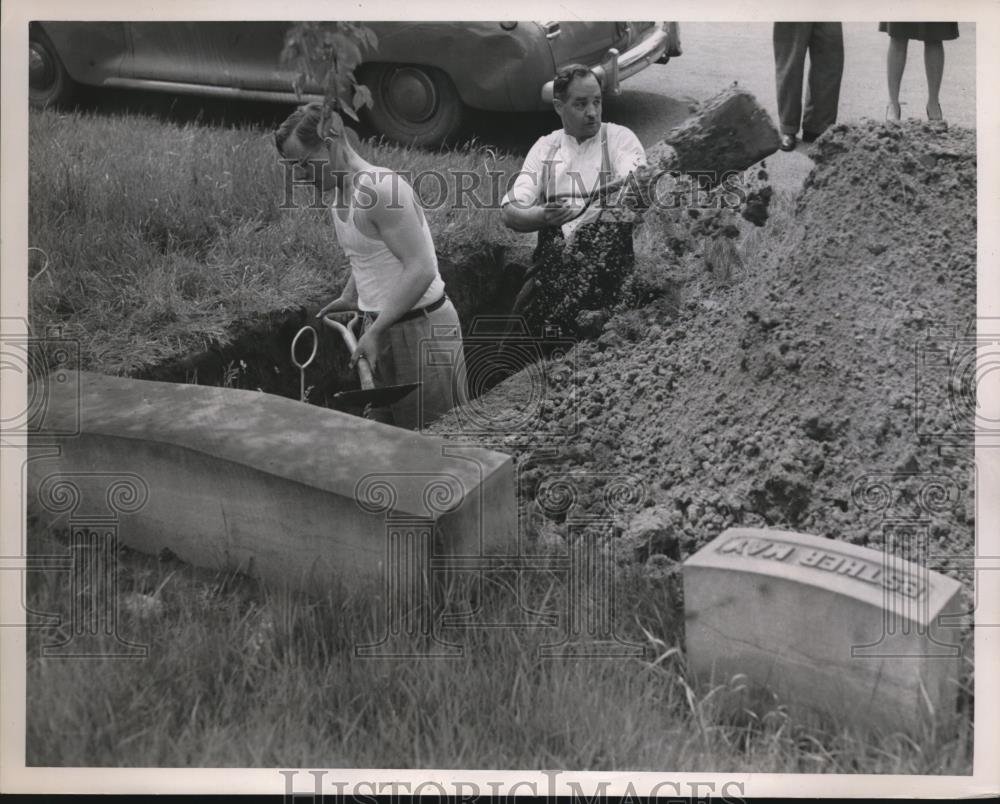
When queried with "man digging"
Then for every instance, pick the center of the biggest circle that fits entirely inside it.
(394, 280)
(579, 263)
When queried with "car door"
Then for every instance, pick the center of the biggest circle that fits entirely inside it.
(245, 55)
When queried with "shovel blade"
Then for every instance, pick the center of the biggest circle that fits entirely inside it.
(378, 397)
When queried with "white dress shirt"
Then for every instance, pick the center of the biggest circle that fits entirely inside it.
(574, 169)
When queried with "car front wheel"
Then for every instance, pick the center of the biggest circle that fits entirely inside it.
(48, 81)
(413, 104)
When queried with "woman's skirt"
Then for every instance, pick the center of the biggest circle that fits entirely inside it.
(922, 31)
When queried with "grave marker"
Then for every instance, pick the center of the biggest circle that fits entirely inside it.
(825, 625)
(288, 492)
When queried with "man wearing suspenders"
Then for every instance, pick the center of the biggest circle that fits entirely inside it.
(411, 329)
(579, 263)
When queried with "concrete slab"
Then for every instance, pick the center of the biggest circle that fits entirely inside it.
(288, 492)
(826, 626)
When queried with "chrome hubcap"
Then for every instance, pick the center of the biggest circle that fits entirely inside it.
(410, 93)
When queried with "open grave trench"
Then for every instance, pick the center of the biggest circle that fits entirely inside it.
(727, 134)
(482, 285)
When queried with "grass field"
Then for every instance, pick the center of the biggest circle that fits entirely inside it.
(239, 676)
(157, 246)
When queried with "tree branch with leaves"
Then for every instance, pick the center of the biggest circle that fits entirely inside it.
(325, 56)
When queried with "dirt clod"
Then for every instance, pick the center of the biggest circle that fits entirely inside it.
(730, 131)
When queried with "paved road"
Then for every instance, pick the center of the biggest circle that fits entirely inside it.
(657, 97)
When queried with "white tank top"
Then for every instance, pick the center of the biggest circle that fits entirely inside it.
(376, 270)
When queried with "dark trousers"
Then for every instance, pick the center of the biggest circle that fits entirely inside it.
(824, 42)
(426, 350)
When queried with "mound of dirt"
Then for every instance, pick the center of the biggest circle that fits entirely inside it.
(796, 394)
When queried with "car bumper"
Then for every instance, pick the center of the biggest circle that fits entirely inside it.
(615, 67)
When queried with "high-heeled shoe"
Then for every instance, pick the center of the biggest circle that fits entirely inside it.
(938, 116)
(893, 112)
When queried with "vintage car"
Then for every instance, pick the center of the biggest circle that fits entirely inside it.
(423, 76)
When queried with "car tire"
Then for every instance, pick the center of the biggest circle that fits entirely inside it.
(48, 82)
(413, 104)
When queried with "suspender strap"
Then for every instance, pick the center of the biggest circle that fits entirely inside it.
(605, 176)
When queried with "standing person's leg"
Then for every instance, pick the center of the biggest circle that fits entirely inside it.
(934, 67)
(790, 42)
(826, 68)
(895, 63)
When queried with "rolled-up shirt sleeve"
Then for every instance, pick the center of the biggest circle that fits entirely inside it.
(526, 190)
(626, 151)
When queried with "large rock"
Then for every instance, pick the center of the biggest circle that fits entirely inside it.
(729, 132)
(288, 492)
(825, 626)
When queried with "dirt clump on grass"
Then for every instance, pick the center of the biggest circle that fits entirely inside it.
(795, 393)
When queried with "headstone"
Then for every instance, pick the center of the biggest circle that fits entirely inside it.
(825, 627)
(285, 491)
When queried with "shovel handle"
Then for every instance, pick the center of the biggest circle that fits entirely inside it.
(365, 373)
(347, 333)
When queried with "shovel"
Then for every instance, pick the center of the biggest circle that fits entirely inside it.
(369, 394)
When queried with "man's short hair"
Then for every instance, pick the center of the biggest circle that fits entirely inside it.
(304, 123)
(560, 86)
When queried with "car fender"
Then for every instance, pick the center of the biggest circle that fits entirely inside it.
(469, 52)
(91, 52)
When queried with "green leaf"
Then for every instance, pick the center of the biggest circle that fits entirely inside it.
(348, 53)
(362, 97)
(336, 123)
(345, 88)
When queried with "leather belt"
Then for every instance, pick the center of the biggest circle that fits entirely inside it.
(416, 312)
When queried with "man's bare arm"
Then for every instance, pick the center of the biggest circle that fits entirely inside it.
(347, 301)
(400, 227)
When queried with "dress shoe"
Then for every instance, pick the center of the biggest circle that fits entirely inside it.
(809, 136)
(787, 142)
